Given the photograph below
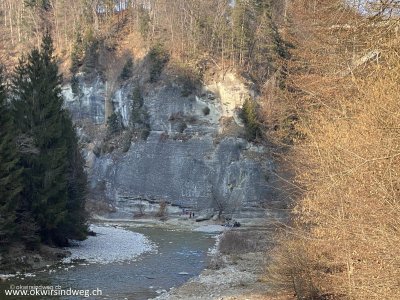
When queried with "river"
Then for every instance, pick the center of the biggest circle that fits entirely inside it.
(180, 255)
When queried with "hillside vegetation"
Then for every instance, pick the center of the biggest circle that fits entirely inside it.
(88, 32)
(344, 239)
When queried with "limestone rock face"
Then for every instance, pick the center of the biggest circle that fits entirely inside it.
(89, 104)
(193, 174)
(191, 159)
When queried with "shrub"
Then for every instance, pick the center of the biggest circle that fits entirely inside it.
(206, 111)
(250, 119)
(182, 126)
(127, 70)
(138, 114)
(107, 147)
(187, 76)
(144, 133)
(141, 208)
(162, 211)
(75, 86)
(216, 262)
(234, 242)
(139, 120)
(114, 124)
(164, 137)
(176, 116)
(158, 58)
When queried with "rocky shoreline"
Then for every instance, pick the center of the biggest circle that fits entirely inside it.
(20, 261)
(234, 272)
(110, 244)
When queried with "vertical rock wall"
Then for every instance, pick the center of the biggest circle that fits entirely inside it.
(191, 158)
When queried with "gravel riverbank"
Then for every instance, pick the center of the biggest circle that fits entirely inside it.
(111, 244)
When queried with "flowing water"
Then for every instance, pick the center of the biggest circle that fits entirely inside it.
(179, 256)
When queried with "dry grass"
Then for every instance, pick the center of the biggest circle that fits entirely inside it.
(235, 242)
(344, 243)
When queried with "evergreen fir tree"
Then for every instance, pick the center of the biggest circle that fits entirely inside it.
(76, 219)
(139, 120)
(38, 109)
(21, 89)
(10, 171)
(158, 58)
(137, 103)
(250, 118)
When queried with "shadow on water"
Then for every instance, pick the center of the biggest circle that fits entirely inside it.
(179, 256)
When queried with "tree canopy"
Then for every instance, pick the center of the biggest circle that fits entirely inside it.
(46, 182)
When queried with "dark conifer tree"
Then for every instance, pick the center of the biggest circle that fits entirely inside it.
(250, 118)
(76, 219)
(137, 104)
(10, 171)
(41, 117)
(27, 227)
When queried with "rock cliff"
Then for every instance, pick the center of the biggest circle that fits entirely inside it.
(195, 156)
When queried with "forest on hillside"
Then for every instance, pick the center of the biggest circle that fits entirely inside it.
(244, 34)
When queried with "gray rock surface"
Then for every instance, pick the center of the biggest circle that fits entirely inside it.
(187, 160)
(89, 104)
